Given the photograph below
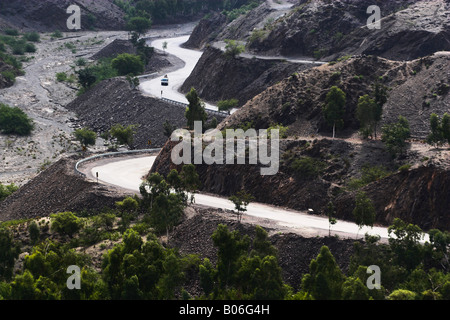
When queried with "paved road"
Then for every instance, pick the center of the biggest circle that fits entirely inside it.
(128, 174)
(176, 79)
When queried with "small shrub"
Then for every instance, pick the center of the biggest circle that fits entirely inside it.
(32, 36)
(14, 121)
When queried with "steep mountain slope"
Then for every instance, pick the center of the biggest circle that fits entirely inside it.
(218, 77)
(329, 29)
(50, 15)
(297, 101)
(114, 102)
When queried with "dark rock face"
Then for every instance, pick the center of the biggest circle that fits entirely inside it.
(217, 77)
(297, 101)
(50, 15)
(57, 189)
(206, 31)
(115, 48)
(113, 101)
(419, 196)
(328, 30)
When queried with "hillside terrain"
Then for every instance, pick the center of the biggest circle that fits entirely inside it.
(157, 243)
(297, 101)
(50, 15)
(217, 77)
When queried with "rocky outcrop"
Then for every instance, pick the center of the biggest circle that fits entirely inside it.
(297, 101)
(418, 196)
(51, 15)
(57, 189)
(330, 29)
(206, 31)
(218, 77)
(114, 102)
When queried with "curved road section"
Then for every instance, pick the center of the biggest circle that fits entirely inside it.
(128, 174)
(176, 79)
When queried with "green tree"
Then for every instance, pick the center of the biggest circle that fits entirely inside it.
(23, 287)
(190, 180)
(34, 232)
(440, 130)
(405, 243)
(325, 279)
(196, 109)
(233, 49)
(395, 135)
(207, 274)
(124, 135)
(354, 289)
(241, 200)
(365, 113)
(86, 137)
(7, 190)
(86, 77)
(9, 251)
(227, 105)
(140, 25)
(380, 96)
(230, 246)
(128, 64)
(445, 127)
(331, 212)
(364, 211)
(15, 121)
(402, 294)
(65, 223)
(334, 108)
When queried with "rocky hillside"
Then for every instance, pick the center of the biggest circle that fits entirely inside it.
(206, 31)
(218, 77)
(417, 195)
(330, 29)
(297, 101)
(57, 189)
(50, 15)
(114, 102)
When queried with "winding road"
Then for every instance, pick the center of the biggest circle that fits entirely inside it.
(128, 172)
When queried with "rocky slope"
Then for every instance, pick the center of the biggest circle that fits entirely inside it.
(217, 77)
(50, 15)
(297, 101)
(206, 31)
(114, 102)
(417, 195)
(330, 29)
(57, 189)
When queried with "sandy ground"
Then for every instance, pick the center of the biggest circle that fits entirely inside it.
(43, 99)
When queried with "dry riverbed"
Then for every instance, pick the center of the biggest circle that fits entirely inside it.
(43, 98)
